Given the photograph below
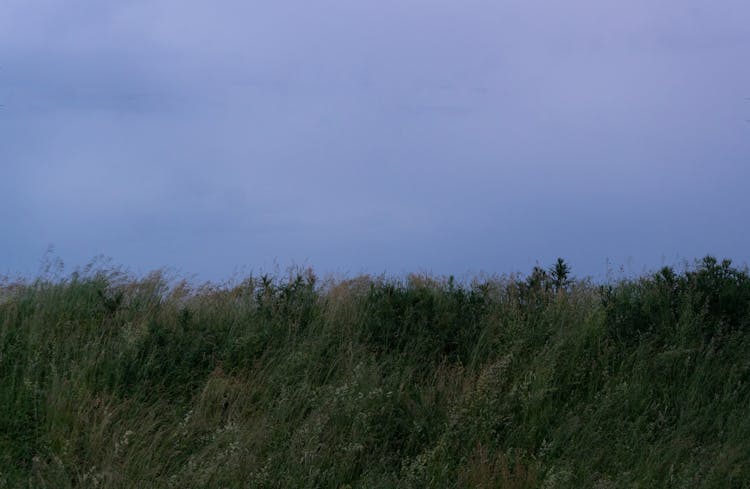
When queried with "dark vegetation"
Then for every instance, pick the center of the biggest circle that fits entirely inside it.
(116, 382)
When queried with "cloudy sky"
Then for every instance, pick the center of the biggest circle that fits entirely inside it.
(451, 136)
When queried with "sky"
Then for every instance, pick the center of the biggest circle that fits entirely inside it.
(374, 136)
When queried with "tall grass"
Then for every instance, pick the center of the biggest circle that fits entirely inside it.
(110, 381)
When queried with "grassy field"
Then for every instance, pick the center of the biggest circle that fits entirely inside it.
(111, 381)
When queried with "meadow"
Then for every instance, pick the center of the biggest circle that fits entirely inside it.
(291, 381)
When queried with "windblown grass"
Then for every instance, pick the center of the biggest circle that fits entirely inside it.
(109, 381)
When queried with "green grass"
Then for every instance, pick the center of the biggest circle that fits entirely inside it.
(112, 381)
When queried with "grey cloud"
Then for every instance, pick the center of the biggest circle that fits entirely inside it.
(390, 135)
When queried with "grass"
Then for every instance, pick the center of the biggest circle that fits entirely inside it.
(111, 381)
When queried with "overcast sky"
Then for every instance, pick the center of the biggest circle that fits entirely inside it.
(374, 135)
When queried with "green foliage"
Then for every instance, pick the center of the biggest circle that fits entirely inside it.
(559, 273)
(116, 382)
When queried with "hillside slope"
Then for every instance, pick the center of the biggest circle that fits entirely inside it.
(115, 382)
